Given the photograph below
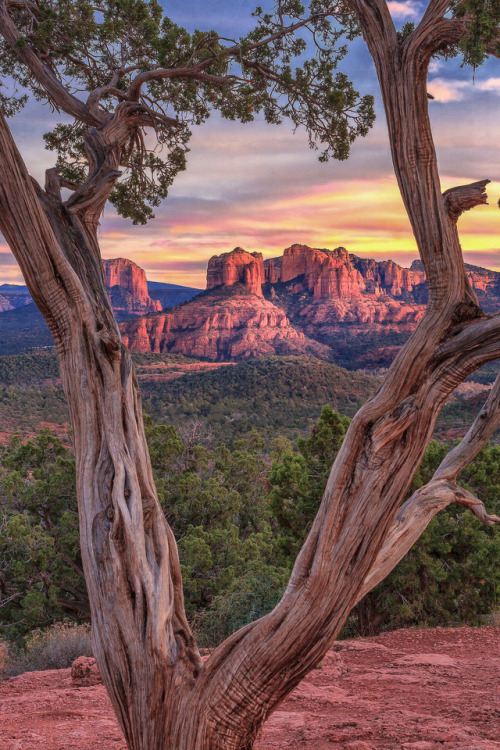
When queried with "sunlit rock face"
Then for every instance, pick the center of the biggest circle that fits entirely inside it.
(219, 327)
(237, 266)
(336, 274)
(330, 303)
(128, 289)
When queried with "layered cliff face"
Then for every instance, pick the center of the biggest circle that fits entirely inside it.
(339, 275)
(237, 266)
(356, 311)
(22, 326)
(128, 289)
(220, 326)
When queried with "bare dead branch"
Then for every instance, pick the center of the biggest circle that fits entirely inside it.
(464, 197)
(426, 502)
(412, 520)
(435, 11)
(54, 181)
(468, 500)
(483, 427)
(475, 342)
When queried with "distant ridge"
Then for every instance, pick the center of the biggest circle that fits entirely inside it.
(22, 326)
(330, 303)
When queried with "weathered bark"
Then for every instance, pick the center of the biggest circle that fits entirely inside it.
(163, 695)
(142, 640)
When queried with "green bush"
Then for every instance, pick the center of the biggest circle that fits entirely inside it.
(240, 515)
(247, 599)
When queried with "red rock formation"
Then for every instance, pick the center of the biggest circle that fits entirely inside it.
(85, 672)
(218, 327)
(334, 297)
(337, 274)
(237, 266)
(128, 288)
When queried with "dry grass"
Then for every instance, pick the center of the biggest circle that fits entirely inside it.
(54, 648)
(4, 659)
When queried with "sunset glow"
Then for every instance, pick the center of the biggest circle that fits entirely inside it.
(260, 187)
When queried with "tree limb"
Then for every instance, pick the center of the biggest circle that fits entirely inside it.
(435, 11)
(416, 514)
(412, 520)
(474, 342)
(56, 91)
(198, 70)
(377, 24)
(90, 197)
(477, 437)
(464, 197)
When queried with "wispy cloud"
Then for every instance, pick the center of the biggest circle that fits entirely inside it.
(447, 90)
(408, 9)
(434, 66)
(491, 84)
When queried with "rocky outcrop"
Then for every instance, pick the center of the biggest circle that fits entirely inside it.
(238, 266)
(337, 274)
(85, 672)
(5, 304)
(219, 327)
(13, 296)
(355, 310)
(128, 289)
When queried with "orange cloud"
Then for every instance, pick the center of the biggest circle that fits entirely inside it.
(365, 216)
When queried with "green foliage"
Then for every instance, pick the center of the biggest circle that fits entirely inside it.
(40, 566)
(274, 395)
(28, 369)
(240, 515)
(102, 47)
(246, 599)
(298, 479)
(452, 575)
(483, 18)
(215, 501)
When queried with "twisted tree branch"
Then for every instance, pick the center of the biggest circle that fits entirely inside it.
(464, 197)
(416, 514)
(57, 93)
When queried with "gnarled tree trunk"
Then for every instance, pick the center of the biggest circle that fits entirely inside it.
(164, 696)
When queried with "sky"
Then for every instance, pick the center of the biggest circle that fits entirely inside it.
(260, 187)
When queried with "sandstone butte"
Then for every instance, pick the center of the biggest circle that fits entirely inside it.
(305, 301)
(128, 288)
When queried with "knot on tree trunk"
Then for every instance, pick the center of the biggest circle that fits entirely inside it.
(465, 311)
(464, 197)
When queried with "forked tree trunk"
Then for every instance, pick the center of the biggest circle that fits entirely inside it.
(164, 697)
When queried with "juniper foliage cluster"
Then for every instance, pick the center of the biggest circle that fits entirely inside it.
(240, 515)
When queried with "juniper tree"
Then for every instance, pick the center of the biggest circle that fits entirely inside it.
(118, 68)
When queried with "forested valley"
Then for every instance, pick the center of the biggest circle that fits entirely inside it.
(241, 455)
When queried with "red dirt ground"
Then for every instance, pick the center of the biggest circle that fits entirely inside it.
(407, 690)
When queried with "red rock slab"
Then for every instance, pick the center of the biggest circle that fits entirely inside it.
(406, 690)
